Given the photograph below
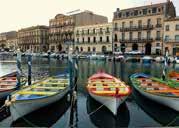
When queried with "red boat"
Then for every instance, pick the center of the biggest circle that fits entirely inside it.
(108, 90)
(8, 84)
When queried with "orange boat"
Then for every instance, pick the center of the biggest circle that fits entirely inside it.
(108, 90)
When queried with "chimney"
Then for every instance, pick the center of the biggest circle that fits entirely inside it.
(118, 9)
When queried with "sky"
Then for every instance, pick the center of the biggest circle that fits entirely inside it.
(17, 14)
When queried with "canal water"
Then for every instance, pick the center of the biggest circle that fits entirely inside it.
(137, 111)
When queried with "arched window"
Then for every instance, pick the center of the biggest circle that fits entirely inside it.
(89, 49)
(81, 49)
(115, 37)
(104, 49)
(94, 49)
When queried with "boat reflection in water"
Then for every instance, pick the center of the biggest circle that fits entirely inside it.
(101, 117)
(162, 114)
(44, 117)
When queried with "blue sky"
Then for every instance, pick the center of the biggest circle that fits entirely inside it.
(17, 14)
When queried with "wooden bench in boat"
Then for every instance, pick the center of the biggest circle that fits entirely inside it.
(35, 93)
(107, 86)
(51, 83)
(43, 87)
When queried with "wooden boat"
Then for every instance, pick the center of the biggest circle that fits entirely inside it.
(37, 95)
(156, 90)
(108, 90)
(8, 84)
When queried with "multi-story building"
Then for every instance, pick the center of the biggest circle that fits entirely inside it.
(8, 40)
(61, 28)
(93, 38)
(34, 38)
(141, 28)
(171, 35)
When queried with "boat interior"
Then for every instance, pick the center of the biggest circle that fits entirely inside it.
(153, 86)
(42, 89)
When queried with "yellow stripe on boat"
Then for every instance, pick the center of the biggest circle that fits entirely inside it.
(42, 87)
(35, 93)
(52, 83)
(120, 87)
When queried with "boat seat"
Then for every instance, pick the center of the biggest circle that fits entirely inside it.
(43, 87)
(35, 93)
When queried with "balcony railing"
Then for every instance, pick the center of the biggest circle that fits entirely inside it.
(171, 40)
(158, 25)
(136, 28)
(107, 32)
(137, 40)
(158, 38)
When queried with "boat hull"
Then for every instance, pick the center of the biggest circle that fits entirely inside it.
(4, 94)
(112, 103)
(21, 108)
(167, 101)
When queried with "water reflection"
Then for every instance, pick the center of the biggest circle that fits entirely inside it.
(103, 118)
(44, 117)
(164, 115)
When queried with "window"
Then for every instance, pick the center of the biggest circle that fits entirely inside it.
(157, 44)
(94, 39)
(167, 28)
(140, 23)
(119, 15)
(148, 34)
(123, 24)
(158, 34)
(101, 39)
(88, 31)
(77, 32)
(101, 31)
(115, 37)
(123, 36)
(139, 35)
(83, 39)
(93, 31)
(136, 12)
(158, 20)
(81, 49)
(154, 10)
(177, 27)
(127, 14)
(94, 49)
(166, 38)
(130, 35)
(131, 24)
(107, 29)
(88, 39)
(144, 11)
(159, 10)
(89, 49)
(177, 38)
(115, 26)
(82, 32)
(149, 22)
(78, 40)
(107, 38)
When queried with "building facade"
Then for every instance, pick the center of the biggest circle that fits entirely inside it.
(93, 38)
(61, 28)
(34, 38)
(171, 36)
(8, 40)
(141, 28)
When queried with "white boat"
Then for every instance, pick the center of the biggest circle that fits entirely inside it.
(159, 59)
(119, 58)
(177, 59)
(108, 90)
(156, 90)
(147, 59)
(38, 95)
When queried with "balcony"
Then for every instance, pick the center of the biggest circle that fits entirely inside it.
(171, 41)
(158, 25)
(136, 28)
(107, 32)
(93, 34)
(158, 38)
(116, 29)
(100, 33)
(137, 40)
